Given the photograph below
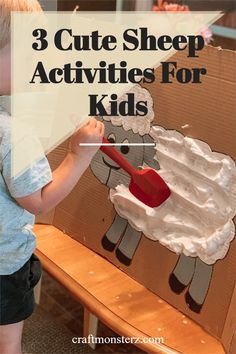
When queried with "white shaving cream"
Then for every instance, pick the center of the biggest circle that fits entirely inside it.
(197, 218)
(138, 124)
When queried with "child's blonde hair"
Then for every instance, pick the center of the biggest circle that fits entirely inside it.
(6, 6)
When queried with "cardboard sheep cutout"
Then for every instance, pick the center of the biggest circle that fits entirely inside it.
(193, 268)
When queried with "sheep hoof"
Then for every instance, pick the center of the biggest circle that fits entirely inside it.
(122, 258)
(192, 304)
(175, 284)
(107, 244)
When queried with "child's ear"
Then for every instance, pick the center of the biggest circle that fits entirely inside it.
(149, 153)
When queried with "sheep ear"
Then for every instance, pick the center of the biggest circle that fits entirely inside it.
(149, 153)
(100, 119)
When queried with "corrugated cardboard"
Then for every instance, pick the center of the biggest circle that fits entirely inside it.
(209, 111)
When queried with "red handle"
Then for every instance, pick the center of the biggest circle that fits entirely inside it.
(111, 152)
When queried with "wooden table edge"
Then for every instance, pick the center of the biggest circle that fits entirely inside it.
(109, 318)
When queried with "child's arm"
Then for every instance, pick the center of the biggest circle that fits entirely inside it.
(68, 173)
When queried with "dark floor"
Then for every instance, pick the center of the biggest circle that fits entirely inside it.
(58, 302)
(44, 334)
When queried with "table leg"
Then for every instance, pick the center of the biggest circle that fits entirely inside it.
(37, 291)
(90, 327)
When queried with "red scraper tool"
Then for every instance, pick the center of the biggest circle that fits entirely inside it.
(146, 184)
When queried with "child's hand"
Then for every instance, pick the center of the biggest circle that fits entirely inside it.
(92, 132)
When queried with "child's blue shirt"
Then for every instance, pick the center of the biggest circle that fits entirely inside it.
(17, 240)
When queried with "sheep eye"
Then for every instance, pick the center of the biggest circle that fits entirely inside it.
(124, 148)
(111, 138)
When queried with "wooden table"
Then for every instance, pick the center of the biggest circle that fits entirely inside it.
(121, 303)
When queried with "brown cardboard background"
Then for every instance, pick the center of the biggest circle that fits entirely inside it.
(209, 110)
(229, 327)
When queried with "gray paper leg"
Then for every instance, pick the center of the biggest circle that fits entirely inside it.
(116, 229)
(128, 245)
(184, 269)
(182, 273)
(201, 281)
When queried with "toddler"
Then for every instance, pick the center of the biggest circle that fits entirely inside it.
(35, 191)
